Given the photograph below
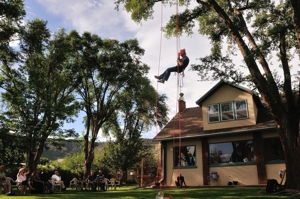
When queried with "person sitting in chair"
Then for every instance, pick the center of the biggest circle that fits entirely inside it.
(45, 177)
(92, 181)
(58, 180)
(6, 186)
(100, 180)
(80, 181)
(22, 179)
(180, 181)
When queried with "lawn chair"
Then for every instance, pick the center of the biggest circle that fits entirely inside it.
(114, 183)
(74, 183)
(213, 176)
(106, 181)
(56, 186)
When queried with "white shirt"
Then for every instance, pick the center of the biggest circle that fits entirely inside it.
(56, 177)
(21, 178)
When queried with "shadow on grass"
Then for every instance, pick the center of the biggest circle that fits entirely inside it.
(126, 192)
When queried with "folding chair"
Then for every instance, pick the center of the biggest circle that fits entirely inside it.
(213, 176)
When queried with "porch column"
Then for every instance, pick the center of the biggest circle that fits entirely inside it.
(260, 158)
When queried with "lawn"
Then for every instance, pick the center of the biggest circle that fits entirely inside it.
(127, 192)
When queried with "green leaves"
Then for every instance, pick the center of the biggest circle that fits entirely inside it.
(39, 92)
(11, 14)
(11, 146)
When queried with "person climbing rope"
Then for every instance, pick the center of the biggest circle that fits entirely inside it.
(181, 65)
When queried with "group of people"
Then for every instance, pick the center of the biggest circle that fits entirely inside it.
(94, 180)
(38, 180)
(35, 182)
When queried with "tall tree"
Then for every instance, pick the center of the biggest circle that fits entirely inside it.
(136, 116)
(107, 70)
(259, 29)
(39, 91)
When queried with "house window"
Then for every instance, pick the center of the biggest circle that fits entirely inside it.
(273, 149)
(185, 156)
(234, 110)
(231, 152)
(213, 113)
(227, 111)
(241, 109)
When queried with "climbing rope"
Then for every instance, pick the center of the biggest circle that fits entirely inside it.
(179, 86)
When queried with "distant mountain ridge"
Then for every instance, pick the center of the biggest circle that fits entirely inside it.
(68, 147)
(73, 146)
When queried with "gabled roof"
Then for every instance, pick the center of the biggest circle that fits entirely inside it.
(221, 83)
(189, 124)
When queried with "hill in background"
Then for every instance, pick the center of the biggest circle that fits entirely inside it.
(73, 146)
(68, 147)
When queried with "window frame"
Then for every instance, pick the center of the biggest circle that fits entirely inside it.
(218, 113)
(246, 109)
(231, 163)
(227, 111)
(234, 111)
(184, 149)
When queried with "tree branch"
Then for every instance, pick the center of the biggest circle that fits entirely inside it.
(287, 85)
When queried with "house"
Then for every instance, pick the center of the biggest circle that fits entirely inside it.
(230, 132)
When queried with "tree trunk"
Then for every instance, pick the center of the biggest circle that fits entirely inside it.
(89, 159)
(291, 148)
(89, 150)
(29, 153)
(33, 158)
(124, 177)
(87, 167)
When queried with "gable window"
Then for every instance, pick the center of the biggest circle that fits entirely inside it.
(226, 111)
(231, 152)
(241, 109)
(213, 113)
(185, 156)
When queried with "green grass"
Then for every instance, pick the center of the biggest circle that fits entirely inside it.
(126, 192)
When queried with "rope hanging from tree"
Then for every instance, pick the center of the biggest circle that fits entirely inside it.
(179, 86)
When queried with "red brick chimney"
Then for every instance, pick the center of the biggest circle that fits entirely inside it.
(181, 103)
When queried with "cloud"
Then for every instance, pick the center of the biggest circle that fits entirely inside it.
(98, 17)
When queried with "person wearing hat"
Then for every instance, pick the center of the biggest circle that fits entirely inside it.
(181, 65)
